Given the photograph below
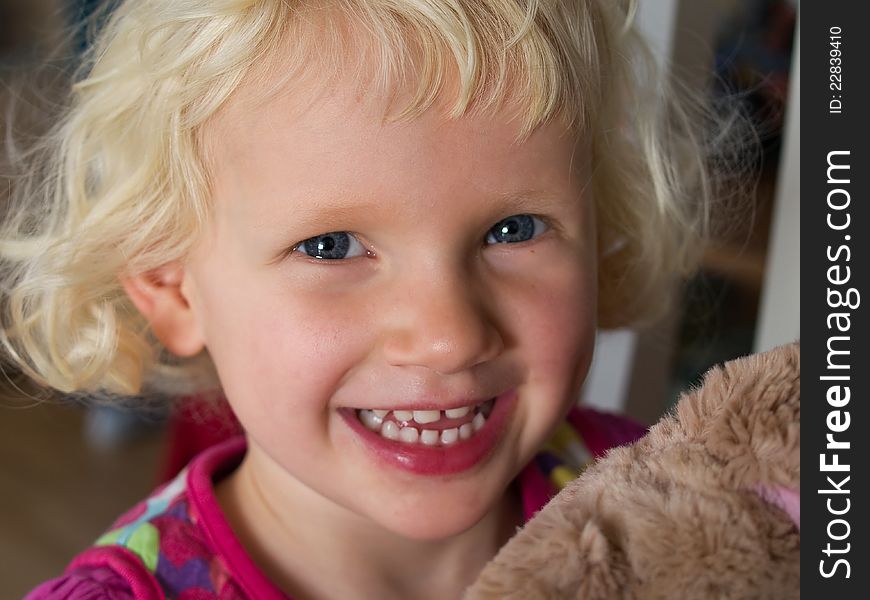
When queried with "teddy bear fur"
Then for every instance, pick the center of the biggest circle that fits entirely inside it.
(680, 513)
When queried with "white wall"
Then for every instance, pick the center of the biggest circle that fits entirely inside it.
(780, 310)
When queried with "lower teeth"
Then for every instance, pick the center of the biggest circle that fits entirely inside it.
(391, 430)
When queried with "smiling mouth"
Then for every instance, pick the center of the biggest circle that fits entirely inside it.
(428, 427)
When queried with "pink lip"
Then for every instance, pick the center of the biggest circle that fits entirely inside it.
(438, 460)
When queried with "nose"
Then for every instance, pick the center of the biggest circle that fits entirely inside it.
(442, 324)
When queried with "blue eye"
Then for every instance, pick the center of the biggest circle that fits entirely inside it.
(515, 229)
(336, 245)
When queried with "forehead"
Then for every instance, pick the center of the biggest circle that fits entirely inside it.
(330, 114)
(326, 141)
(343, 105)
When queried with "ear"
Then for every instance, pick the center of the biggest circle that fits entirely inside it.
(160, 297)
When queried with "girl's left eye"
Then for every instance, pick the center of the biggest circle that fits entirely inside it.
(336, 245)
(515, 229)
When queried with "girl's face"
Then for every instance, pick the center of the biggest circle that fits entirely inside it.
(353, 266)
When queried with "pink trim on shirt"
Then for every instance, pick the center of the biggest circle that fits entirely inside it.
(206, 468)
(126, 564)
(101, 573)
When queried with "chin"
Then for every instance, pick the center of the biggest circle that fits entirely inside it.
(433, 526)
(436, 517)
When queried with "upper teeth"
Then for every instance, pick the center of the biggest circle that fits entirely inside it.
(427, 416)
(457, 413)
(400, 429)
(419, 416)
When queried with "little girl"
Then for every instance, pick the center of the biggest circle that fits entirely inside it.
(386, 231)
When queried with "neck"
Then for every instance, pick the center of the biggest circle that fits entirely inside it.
(314, 548)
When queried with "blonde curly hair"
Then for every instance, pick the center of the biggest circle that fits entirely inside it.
(121, 185)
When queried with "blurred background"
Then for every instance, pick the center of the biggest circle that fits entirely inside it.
(67, 470)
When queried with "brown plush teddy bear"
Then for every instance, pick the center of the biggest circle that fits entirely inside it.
(706, 505)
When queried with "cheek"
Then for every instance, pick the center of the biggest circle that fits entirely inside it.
(553, 318)
(275, 348)
(552, 322)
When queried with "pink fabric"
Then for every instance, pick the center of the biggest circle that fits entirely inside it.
(602, 431)
(90, 583)
(788, 499)
(599, 431)
(213, 464)
(141, 583)
(535, 490)
(103, 574)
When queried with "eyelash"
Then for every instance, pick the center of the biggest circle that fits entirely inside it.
(328, 240)
(351, 242)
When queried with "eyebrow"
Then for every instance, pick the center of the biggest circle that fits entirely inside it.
(539, 200)
(309, 215)
(522, 198)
